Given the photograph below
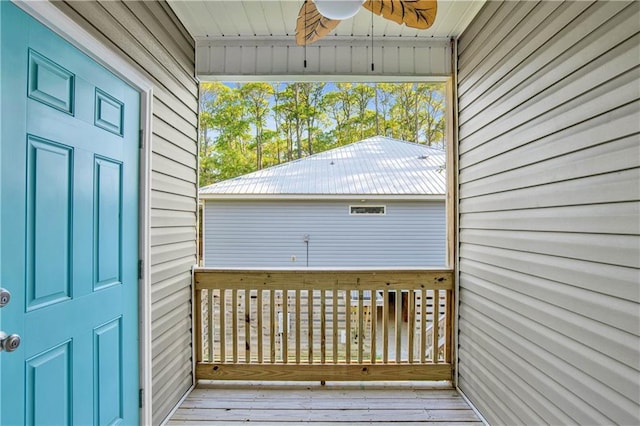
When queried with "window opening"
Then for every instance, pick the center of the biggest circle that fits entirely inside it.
(367, 210)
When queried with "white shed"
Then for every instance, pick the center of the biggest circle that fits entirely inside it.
(377, 202)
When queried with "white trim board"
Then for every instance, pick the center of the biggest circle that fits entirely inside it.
(315, 197)
(61, 24)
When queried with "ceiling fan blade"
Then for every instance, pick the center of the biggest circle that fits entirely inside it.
(311, 25)
(418, 14)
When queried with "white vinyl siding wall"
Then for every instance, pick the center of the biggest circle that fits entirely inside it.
(264, 234)
(149, 35)
(549, 160)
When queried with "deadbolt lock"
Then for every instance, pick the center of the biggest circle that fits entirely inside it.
(9, 343)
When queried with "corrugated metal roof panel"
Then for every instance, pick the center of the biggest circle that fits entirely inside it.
(374, 166)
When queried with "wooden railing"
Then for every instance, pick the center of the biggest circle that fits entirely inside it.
(323, 325)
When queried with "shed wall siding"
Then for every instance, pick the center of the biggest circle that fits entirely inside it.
(549, 159)
(267, 234)
(149, 35)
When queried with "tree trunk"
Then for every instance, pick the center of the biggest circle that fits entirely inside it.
(309, 143)
(259, 148)
(377, 113)
(417, 120)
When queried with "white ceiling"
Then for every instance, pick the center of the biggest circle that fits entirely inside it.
(218, 20)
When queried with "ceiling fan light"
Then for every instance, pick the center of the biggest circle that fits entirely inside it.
(338, 9)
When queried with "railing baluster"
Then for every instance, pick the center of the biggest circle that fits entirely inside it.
(223, 329)
(448, 333)
(411, 323)
(310, 325)
(323, 326)
(285, 326)
(259, 313)
(360, 326)
(398, 324)
(198, 325)
(234, 321)
(374, 324)
(347, 303)
(297, 316)
(247, 326)
(436, 326)
(423, 326)
(335, 326)
(272, 325)
(210, 333)
(385, 326)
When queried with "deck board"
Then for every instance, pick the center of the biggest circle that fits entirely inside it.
(266, 404)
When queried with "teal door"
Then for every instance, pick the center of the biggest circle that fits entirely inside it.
(69, 195)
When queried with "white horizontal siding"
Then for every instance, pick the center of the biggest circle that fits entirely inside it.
(549, 159)
(150, 35)
(335, 58)
(267, 234)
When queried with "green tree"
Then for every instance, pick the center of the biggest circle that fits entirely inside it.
(341, 107)
(245, 127)
(384, 92)
(292, 109)
(364, 119)
(257, 98)
(312, 110)
(403, 124)
(432, 100)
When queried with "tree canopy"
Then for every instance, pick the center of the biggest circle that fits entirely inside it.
(250, 126)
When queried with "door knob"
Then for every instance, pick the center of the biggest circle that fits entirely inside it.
(9, 343)
(5, 297)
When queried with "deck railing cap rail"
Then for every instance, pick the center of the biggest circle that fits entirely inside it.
(325, 279)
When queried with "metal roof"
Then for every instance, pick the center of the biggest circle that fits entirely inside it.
(378, 167)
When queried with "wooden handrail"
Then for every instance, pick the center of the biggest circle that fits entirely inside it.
(434, 279)
(333, 324)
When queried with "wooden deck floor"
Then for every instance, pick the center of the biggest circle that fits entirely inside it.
(268, 404)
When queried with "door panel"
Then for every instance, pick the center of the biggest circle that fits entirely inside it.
(49, 198)
(48, 388)
(69, 179)
(49, 83)
(107, 212)
(108, 365)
